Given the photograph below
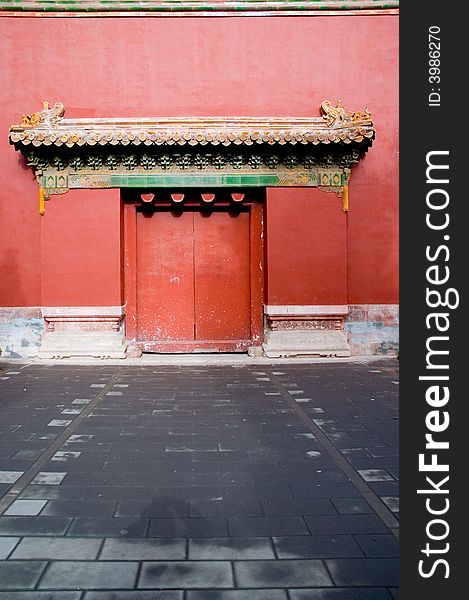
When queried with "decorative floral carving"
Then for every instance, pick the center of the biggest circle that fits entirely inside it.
(59, 163)
(183, 161)
(301, 158)
(200, 161)
(76, 163)
(94, 162)
(165, 161)
(255, 161)
(111, 162)
(237, 161)
(309, 161)
(272, 161)
(148, 161)
(130, 162)
(290, 161)
(219, 161)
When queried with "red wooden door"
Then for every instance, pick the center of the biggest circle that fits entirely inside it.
(165, 276)
(222, 279)
(193, 280)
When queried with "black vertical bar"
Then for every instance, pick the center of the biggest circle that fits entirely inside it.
(433, 356)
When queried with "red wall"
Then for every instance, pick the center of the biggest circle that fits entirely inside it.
(80, 249)
(307, 247)
(197, 66)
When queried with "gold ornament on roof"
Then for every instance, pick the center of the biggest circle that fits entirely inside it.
(336, 116)
(48, 116)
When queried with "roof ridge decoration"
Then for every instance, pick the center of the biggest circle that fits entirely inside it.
(236, 151)
(49, 127)
(47, 116)
(193, 6)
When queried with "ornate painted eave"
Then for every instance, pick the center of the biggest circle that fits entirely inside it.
(48, 127)
(193, 151)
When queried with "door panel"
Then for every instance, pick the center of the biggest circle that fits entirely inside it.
(222, 276)
(165, 276)
(194, 278)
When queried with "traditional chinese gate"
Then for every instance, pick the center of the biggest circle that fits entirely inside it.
(193, 224)
(194, 274)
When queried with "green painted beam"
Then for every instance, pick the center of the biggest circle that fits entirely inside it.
(175, 6)
(50, 180)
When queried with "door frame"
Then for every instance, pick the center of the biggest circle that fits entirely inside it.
(131, 204)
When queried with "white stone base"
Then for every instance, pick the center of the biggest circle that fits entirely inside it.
(304, 342)
(95, 331)
(96, 344)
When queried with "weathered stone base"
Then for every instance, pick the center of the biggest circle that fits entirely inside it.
(365, 329)
(373, 329)
(305, 331)
(94, 331)
(21, 328)
(304, 342)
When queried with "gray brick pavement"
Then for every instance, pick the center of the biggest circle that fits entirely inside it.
(204, 479)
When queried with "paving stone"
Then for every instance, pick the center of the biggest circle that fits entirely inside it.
(110, 527)
(345, 524)
(177, 575)
(323, 490)
(231, 549)
(378, 546)
(46, 478)
(117, 493)
(33, 525)
(392, 502)
(6, 546)
(10, 476)
(72, 508)
(40, 595)
(317, 546)
(375, 475)
(59, 423)
(137, 549)
(53, 548)
(89, 575)
(385, 488)
(54, 492)
(27, 454)
(350, 506)
(298, 506)
(248, 507)
(25, 507)
(134, 595)
(364, 571)
(285, 573)
(96, 479)
(158, 507)
(266, 526)
(65, 456)
(20, 575)
(192, 527)
(261, 492)
(342, 594)
(236, 595)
